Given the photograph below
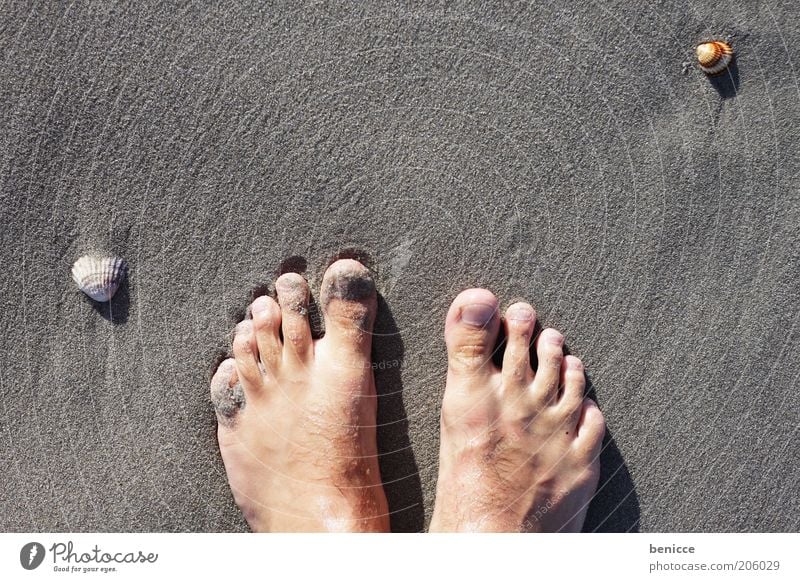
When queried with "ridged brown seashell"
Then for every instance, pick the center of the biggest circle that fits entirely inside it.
(714, 57)
(99, 277)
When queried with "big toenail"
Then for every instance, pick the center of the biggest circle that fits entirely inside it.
(520, 313)
(477, 314)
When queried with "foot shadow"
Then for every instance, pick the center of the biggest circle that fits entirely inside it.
(399, 470)
(727, 82)
(116, 310)
(615, 505)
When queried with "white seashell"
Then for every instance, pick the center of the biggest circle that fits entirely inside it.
(99, 277)
(714, 57)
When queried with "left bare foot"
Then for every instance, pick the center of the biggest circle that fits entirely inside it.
(297, 417)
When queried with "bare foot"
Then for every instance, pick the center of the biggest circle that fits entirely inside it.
(519, 450)
(296, 417)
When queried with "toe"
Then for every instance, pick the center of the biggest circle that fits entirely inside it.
(292, 292)
(245, 352)
(349, 302)
(227, 394)
(550, 353)
(471, 333)
(266, 322)
(591, 429)
(573, 380)
(519, 320)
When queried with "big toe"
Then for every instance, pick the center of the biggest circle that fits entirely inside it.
(349, 302)
(471, 332)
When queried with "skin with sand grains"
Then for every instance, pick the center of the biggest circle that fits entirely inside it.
(228, 400)
(519, 449)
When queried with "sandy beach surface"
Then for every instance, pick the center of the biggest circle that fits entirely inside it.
(575, 157)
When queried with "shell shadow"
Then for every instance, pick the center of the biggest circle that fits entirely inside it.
(116, 310)
(399, 470)
(615, 505)
(726, 83)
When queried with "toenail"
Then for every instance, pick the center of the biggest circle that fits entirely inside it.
(351, 286)
(520, 313)
(289, 282)
(244, 326)
(477, 314)
(258, 307)
(574, 364)
(555, 338)
(228, 403)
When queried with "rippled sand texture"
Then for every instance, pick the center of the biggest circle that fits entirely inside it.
(576, 157)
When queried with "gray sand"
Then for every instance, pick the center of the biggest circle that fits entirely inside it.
(567, 156)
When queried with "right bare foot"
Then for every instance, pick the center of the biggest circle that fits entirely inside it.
(296, 417)
(519, 450)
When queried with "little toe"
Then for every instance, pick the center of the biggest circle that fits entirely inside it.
(227, 394)
(245, 352)
(520, 319)
(573, 381)
(349, 302)
(292, 292)
(591, 429)
(549, 353)
(266, 323)
(471, 333)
